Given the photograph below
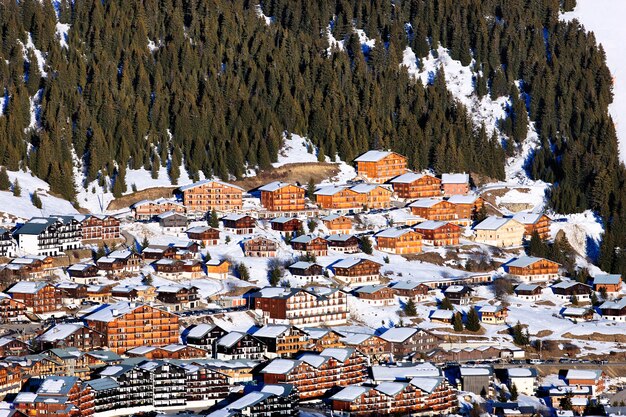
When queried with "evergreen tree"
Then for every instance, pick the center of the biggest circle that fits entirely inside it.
(242, 272)
(473, 322)
(565, 403)
(366, 245)
(446, 304)
(145, 243)
(458, 322)
(274, 276)
(5, 183)
(147, 280)
(214, 220)
(520, 337)
(310, 189)
(34, 198)
(17, 190)
(514, 393)
(410, 309)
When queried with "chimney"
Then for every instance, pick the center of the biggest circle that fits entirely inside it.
(114, 312)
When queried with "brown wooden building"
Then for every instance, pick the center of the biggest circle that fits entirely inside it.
(260, 247)
(380, 166)
(399, 241)
(433, 209)
(38, 297)
(412, 185)
(204, 235)
(210, 195)
(309, 244)
(337, 224)
(100, 227)
(439, 233)
(280, 196)
(535, 222)
(239, 224)
(532, 269)
(287, 226)
(357, 272)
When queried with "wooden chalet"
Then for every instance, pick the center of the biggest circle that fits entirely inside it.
(307, 270)
(493, 314)
(376, 295)
(323, 338)
(178, 297)
(38, 297)
(173, 222)
(236, 345)
(260, 247)
(59, 396)
(577, 315)
(204, 235)
(69, 335)
(357, 272)
(528, 292)
(406, 290)
(570, 290)
(140, 292)
(100, 227)
(439, 233)
(83, 273)
(239, 224)
(139, 325)
(309, 244)
(282, 340)
(120, 261)
(406, 342)
(343, 243)
(10, 346)
(532, 269)
(337, 224)
(207, 195)
(147, 210)
(313, 374)
(216, 268)
(535, 222)
(455, 184)
(11, 309)
(375, 196)
(459, 294)
(173, 351)
(203, 335)
(380, 166)
(399, 241)
(342, 199)
(412, 185)
(280, 196)
(611, 283)
(434, 209)
(287, 226)
(467, 206)
(371, 345)
(614, 310)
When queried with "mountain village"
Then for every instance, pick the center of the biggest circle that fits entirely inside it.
(391, 293)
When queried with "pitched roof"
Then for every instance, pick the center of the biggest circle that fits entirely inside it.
(425, 202)
(330, 190)
(350, 262)
(373, 156)
(523, 261)
(273, 186)
(493, 223)
(454, 178)
(607, 279)
(27, 287)
(407, 178)
(527, 218)
(430, 225)
(463, 199)
(204, 182)
(394, 232)
(398, 334)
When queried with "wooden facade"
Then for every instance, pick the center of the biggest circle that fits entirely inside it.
(37, 297)
(239, 224)
(146, 210)
(337, 224)
(286, 225)
(531, 269)
(204, 235)
(217, 269)
(431, 209)
(357, 272)
(412, 185)
(399, 241)
(210, 195)
(340, 198)
(534, 222)
(260, 247)
(439, 233)
(101, 228)
(127, 325)
(312, 245)
(380, 166)
(278, 196)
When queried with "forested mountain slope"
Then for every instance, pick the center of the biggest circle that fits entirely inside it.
(210, 86)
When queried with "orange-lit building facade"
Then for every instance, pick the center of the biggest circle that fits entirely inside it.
(412, 185)
(380, 166)
(210, 195)
(279, 196)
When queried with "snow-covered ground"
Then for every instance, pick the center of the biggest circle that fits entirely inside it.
(23, 208)
(606, 19)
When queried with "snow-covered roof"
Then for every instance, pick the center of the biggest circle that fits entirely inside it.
(332, 217)
(283, 219)
(60, 331)
(463, 199)
(369, 289)
(329, 190)
(430, 225)
(523, 261)
(522, 372)
(280, 366)
(271, 331)
(398, 334)
(457, 289)
(274, 186)
(350, 262)
(230, 339)
(567, 284)
(355, 339)
(80, 267)
(589, 374)
(607, 279)
(234, 217)
(527, 287)
(407, 178)
(56, 385)
(302, 265)
(476, 371)
(350, 393)
(491, 309)
(303, 239)
(614, 305)
(390, 388)
(393, 232)
(442, 314)
(574, 312)
(373, 156)
(527, 218)
(365, 188)
(454, 178)
(425, 202)
(204, 182)
(109, 312)
(406, 285)
(492, 223)
(427, 385)
(403, 373)
(341, 354)
(27, 287)
(340, 237)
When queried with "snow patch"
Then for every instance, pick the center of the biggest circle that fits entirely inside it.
(62, 33)
(259, 12)
(296, 149)
(41, 60)
(583, 231)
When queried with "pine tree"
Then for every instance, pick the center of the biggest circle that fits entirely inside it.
(473, 322)
(514, 393)
(5, 183)
(147, 280)
(366, 245)
(458, 322)
(214, 220)
(310, 189)
(34, 198)
(17, 190)
(410, 309)
(520, 337)
(145, 243)
(242, 272)
(446, 304)
(274, 277)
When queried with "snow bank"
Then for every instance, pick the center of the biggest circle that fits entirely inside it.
(583, 231)
(296, 149)
(606, 19)
(259, 12)
(62, 31)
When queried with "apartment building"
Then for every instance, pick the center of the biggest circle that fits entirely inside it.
(207, 195)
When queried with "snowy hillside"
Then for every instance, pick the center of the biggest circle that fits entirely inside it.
(22, 207)
(606, 19)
